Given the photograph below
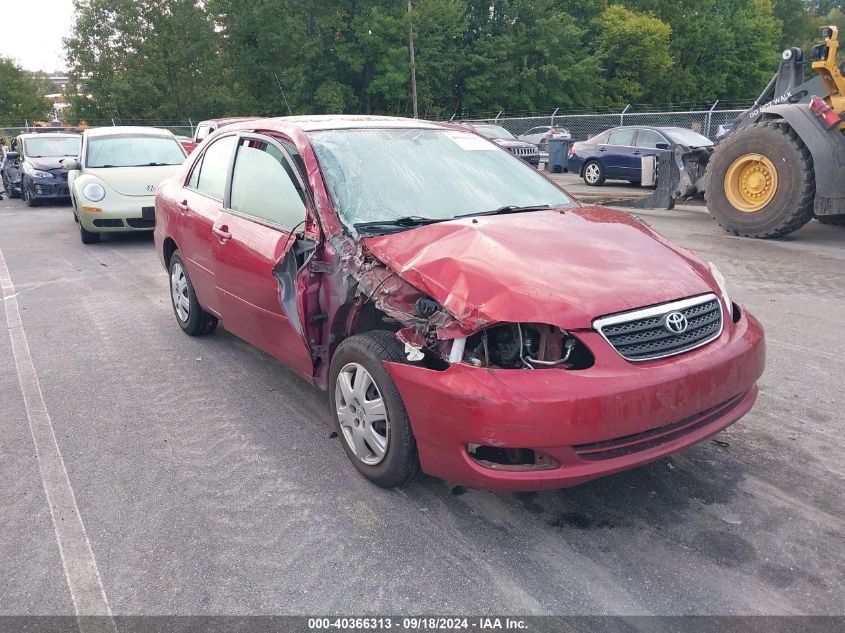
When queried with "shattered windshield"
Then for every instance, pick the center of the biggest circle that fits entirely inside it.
(688, 138)
(385, 174)
(52, 146)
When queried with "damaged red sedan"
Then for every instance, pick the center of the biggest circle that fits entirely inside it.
(466, 316)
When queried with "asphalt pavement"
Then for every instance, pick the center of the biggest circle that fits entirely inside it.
(207, 479)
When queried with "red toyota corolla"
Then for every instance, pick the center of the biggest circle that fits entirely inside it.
(466, 316)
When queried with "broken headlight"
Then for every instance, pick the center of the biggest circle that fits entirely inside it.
(526, 346)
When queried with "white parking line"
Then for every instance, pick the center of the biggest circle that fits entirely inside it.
(81, 573)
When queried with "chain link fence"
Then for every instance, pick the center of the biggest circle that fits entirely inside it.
(582, 126)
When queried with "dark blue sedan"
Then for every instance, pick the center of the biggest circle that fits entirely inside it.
(617, 154)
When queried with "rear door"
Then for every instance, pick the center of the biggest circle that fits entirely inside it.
(200, 204)
(617, 153)
(257, 254)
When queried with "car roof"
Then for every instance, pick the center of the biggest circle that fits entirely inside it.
(228, 120)
(126, 130)
(314, 123)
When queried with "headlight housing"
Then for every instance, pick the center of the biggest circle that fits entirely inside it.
(94, 191)
(37, 173)
(719, 278)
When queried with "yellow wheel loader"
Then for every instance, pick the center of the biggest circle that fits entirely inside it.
(783, 163)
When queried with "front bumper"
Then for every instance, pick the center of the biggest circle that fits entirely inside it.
(593, 422)
(118, 214)
(49, 189)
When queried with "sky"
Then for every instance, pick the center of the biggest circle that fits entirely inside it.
(31, 32)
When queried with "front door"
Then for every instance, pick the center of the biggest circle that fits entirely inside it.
(646, 145)
(255, 252)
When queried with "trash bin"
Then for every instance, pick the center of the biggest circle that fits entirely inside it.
(558, 155)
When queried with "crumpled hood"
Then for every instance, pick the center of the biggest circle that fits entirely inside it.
(134, 181)
(46, 163)
(563, 269)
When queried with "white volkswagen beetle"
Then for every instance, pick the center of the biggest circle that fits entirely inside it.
(114, 179)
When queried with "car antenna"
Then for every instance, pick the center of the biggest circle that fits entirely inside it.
(279, 83)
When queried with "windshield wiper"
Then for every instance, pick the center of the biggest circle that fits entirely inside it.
(510, 208)
(407, 221)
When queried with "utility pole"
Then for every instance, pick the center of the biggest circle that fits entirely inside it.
(413, 62)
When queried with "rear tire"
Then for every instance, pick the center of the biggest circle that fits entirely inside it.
(791, 204)
(189, 314)
(835, 220)
(368, 352)
(594, 173)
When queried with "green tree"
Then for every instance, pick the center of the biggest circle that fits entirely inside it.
(20, 96)
(634, 49)
(148, 59)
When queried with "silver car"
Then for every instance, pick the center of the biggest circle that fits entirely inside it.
(539, 135)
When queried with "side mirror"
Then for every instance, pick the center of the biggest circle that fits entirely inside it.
(12, 155)
(662, 145)
(70, 164)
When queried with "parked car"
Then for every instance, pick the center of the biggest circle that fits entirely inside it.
(114, 180)
(31, 168)
(501, 137)
(466, 316)
(205, 128)
(617, 153)
(541, 134)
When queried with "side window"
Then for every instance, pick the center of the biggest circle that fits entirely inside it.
(193, 181)
(202, 132)
(264, 187)
(601, 139)
(214, 167)
(621, 137)
(649, 139)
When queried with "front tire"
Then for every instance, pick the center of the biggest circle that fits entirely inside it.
(760, 181)
(594, 174)
(190, 315)
(88, 237)
(27, 196)
(368, 411)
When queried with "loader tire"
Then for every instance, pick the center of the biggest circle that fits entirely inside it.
(836, 220)
(760, 181)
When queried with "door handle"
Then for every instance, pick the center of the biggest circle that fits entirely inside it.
(183, 206)
(222, 233)
(602, 149)
(635, 153)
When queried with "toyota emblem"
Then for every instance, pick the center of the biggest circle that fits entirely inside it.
(676, 323)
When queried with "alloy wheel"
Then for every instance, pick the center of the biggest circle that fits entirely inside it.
(179, 292)
(592, 173)
(362, 414)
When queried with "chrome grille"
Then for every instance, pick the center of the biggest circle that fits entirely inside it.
(646, 335)
(523, 151)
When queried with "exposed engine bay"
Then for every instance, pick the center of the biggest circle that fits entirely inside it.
(435, 338)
